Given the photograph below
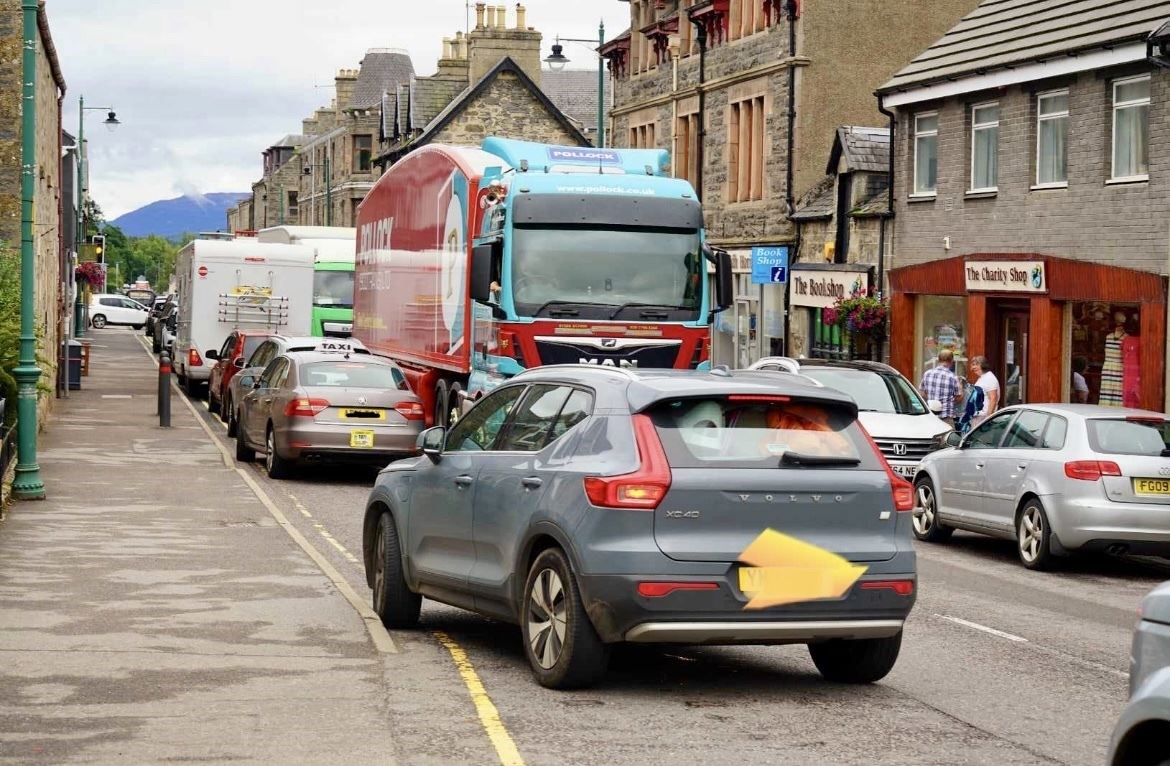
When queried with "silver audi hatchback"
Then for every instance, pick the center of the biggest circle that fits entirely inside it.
(594, 506)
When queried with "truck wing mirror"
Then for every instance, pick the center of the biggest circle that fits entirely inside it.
(724, 286)
(481, 273)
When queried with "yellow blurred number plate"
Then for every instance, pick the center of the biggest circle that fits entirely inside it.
(1151, 486)
(361, 439)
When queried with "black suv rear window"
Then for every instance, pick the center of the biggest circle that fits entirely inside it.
(760, 432)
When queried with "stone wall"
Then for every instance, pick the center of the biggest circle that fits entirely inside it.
(1091, 220)
(504, 108)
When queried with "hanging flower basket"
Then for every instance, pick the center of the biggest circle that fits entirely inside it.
(861, 314)
(90, 273)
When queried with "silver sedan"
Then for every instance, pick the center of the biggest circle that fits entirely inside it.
(309, 405)
(1055, 478)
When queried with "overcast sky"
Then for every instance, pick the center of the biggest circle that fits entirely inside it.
(203, 86)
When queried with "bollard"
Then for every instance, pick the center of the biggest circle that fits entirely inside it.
(164, 390)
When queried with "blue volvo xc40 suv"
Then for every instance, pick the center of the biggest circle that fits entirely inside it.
(593, 506)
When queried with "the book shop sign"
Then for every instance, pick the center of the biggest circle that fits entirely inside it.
(1006, 276)
(821, 289)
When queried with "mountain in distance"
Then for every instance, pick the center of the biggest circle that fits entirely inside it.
(171, 218)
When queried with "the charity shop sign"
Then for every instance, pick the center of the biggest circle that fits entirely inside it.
(1006, 276)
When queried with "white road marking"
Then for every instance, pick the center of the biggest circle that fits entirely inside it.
(117, 396)
(982, 628)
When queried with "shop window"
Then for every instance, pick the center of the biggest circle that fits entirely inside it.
(984, 147)
(745, 154)
(926, 153)
(943, 324)
(1105, 353)
(1131, 130)
(1052, 139)
(827, 341)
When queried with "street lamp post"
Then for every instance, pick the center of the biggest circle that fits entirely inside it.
(111, 122)
(557, 62)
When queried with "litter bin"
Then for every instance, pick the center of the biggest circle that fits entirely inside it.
(75, 350)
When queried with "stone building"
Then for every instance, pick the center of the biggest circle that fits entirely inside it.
(488, 82)
(1032, 191)
(276, 195)
(747, 115)
(842, 224)
(53, 266)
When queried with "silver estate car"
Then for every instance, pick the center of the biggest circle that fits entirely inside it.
(310, 405)
(594, 506)
(1142, 735)
(1055, 478)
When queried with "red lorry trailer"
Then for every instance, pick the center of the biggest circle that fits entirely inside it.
(474, 264)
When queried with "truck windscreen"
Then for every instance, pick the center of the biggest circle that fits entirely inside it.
(630, 274)
(333, 289)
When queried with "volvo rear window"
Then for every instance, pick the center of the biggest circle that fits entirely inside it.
(1131, 436)
(761, 432)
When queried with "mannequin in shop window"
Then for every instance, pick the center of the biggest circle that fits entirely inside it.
(1120, 372)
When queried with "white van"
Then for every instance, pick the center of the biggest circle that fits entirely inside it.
(109, 309)
(225, 285)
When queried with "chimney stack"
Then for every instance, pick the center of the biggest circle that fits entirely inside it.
(501, 17)
(479, 12)
(491, 17)
(345, 84)
(460, 46)
(521, 16)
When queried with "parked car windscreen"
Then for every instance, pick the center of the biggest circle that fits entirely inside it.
(1129, 436)
(873, 391)
(351, 375)
(755, 432)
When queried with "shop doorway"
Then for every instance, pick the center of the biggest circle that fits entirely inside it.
(1008, 344)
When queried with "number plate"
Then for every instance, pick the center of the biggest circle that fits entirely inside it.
(361, 439)
(905, 471)
(361, 414)
(1151, 486)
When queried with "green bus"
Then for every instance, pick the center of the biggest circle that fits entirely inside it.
(333, 273)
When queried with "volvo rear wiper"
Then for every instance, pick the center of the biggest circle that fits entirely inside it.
(798, 458)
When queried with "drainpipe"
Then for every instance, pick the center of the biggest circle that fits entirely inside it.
(701, 39)
(888, 214)
(28, 484)
(793, 8)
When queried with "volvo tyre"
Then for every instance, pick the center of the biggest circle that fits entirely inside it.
(562, 647)
(856, 661)
(394, 602)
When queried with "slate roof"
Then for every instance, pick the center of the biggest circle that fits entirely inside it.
(290, 140)
(574, 91)
(818, 203)
(878, 204)
(381, 71)
(429, 96)
(863, 148)
(1001, 33)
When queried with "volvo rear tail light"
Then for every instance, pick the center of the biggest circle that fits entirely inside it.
(1091, 470)
(902, 490)
(305, 408)
(410, 410)
(660, 589)
(645, 487)
(900, 587)
(193, 358)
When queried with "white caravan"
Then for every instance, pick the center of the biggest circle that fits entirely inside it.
(333, 283)
(224, 285)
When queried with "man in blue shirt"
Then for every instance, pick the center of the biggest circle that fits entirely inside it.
(941, 383)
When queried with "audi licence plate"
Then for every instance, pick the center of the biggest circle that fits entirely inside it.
(1151, 486)
(361, 439)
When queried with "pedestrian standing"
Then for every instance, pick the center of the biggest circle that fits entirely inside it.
(985, 379)
(941, 383)
(1080, 387)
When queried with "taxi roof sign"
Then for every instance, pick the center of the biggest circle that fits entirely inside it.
(335, 346)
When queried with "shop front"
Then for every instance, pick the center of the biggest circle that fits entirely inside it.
(816, 287)
(1049, 327)
(753, 327)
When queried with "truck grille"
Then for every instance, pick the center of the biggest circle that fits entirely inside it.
(904, 449)
(610, 352)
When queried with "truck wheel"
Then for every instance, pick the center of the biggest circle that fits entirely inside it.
(454, 404)
(441, 398)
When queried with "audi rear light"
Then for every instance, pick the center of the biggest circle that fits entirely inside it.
(305, 408)
(644, 488)
(193, 358)
(902, 490)
(660, 589)
(410, 410)
(1091, 470)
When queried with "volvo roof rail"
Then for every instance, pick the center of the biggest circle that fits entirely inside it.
(624, 372)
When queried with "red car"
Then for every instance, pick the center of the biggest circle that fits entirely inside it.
(231, 357)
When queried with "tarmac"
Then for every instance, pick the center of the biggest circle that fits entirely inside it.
(153, 609)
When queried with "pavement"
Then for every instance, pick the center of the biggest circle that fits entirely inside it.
(153, 609)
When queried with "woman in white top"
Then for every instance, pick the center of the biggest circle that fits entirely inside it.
(988, 382)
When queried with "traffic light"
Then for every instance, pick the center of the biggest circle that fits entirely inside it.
(99, 247)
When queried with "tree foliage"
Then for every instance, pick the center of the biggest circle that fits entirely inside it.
(128, 258)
